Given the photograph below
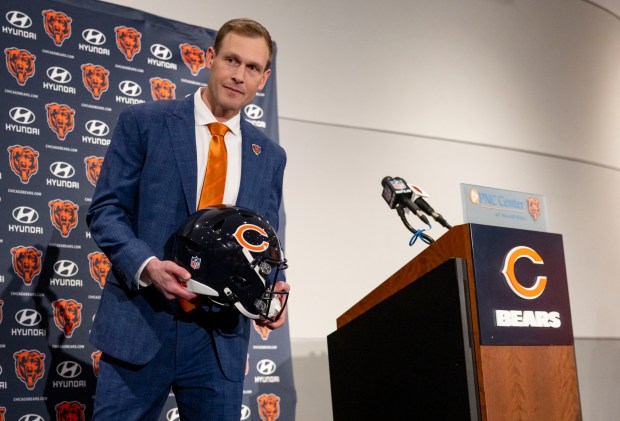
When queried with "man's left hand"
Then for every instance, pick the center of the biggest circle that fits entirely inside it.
(279, 287)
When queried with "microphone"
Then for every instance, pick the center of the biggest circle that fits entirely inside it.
(420, 200)
(396, 192)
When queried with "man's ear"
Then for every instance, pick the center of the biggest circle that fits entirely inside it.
(209, 58)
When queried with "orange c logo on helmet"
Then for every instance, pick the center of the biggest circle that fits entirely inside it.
(24, 162)
(508, 271)
(60, 119)
(93, 168)
(67, 316)
(99, 267)
(20, 64)
(57, 26)
(29, 366)
(193, 57)
(26, 262)
(64, 215)
(70, 411)
(128, 41)
(268, 407)
(96, 79)
(162, 89)
(252, 247)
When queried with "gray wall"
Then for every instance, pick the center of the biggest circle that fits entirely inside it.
(517, 94)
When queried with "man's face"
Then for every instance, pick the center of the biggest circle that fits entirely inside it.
(238, 71)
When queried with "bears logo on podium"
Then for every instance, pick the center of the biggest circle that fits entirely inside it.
(99, 267)
(128, 41)
(57, 26)
(64, 215)
(29, 366)
(70, 411)
(20, 64)
(193, 57)
(67, 316)
(60, 118)
(26, 263)
(24, 162)
(162, 89)
(96, 79)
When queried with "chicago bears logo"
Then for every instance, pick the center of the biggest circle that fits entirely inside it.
(268, 407)
(60, 119)
(2, 412)
(96, 79)
(24, 162)
(57, 26)
(263, 331)
(534, 207)
(162, 89)
(99, 267)
(20, 64)
(26, 262)
(96, 357)
(239, 236)
(193, 57)
(67, 316)
(29, 366)
(70, 411)
(128, 41)
(93, 168)
(64, 215)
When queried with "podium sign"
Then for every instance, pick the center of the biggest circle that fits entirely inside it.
(521, 287)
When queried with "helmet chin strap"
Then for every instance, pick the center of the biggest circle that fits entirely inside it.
(231, 296)
(199, 288)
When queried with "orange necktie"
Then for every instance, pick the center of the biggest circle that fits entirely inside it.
(213, 185)
(215, 176)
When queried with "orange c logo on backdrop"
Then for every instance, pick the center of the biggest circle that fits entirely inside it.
(251, 227)
(508, 271)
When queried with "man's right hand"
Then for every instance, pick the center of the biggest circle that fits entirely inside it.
(168, 278)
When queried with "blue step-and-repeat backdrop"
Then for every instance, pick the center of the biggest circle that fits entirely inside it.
(70, 67)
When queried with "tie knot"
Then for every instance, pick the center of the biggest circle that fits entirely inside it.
(217, 128)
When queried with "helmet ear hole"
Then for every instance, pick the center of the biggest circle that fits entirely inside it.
(239, 280)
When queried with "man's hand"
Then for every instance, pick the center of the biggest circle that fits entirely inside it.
(284, 287)
(167, 277)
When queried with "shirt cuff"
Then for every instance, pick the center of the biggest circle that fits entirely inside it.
(139, 282)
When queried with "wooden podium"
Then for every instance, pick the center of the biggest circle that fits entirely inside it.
(476, 327)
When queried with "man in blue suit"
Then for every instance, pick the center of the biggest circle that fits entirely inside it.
(150, 183)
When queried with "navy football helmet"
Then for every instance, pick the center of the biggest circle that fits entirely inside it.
(234, 257)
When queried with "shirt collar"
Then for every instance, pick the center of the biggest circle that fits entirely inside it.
(204, 116)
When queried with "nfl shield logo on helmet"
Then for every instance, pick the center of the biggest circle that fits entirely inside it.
(195, 264)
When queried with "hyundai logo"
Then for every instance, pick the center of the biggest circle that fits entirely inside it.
(161, 52)
(62, 169)
(28, 317)
(266, 367)
(97, 128)
(253, 111)
(66, 268)
(59, 75)
(19, 19)
(93, 36)
(25, 215)
(130, 88)
(31, 417)
(69, 369)
(21, 115)
(245, 412)
(173, 415)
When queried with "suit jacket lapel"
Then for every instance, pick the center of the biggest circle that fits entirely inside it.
(250, 165)
(181, 126)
